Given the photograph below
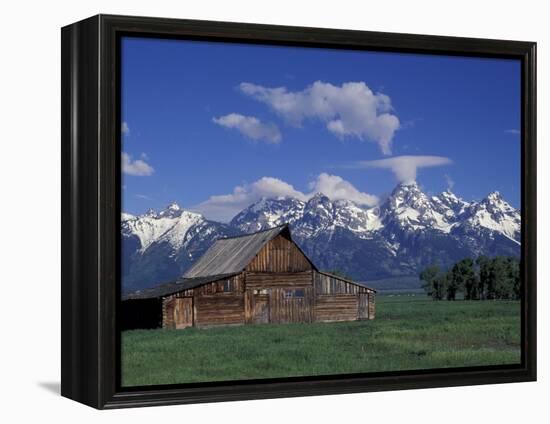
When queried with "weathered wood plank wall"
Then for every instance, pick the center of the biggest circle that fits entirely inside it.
(279, 285)
(372, 305)
(218, 303)
(219, 310)
(259, 280)
(279, 255)
(326, 284)
(291, 305)
(338, 307)
(340, 300)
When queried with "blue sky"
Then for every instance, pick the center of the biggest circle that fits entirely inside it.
(215, 126)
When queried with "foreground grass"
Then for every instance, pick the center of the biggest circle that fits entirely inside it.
(407, 334)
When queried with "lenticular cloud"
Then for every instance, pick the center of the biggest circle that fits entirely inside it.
(405, 167)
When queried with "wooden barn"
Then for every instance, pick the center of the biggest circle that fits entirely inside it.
(257, 278)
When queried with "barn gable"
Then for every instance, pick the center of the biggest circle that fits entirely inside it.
(233, 255)
(280, 254)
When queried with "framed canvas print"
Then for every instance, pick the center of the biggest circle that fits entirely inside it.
(255, 211)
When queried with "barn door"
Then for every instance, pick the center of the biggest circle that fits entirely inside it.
(183, 312)
(363, 312)
(261, 308)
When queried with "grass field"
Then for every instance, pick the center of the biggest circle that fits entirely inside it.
(409, 332)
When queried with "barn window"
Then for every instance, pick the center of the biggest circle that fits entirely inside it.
(289, 294)
(226, 286)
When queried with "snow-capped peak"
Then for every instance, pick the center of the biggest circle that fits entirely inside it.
(317, 196)
(171, 224)
(268, 213)
(496, 203)
(495, 196)
(126, 216)
(408, 210)
(449, 204)
(151, 213)
(172, 210)
(495, 214)
(173, 206)
(406, 231)
(449, 195)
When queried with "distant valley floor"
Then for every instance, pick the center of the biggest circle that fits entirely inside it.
(409, 332)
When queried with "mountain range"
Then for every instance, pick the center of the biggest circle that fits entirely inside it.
(409, 230)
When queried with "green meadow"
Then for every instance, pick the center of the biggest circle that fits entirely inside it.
(409, 332)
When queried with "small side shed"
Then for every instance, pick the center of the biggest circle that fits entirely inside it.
(258, 278)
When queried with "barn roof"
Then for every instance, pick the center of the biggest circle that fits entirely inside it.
(232, 255)
(225, 258)
(174, 287)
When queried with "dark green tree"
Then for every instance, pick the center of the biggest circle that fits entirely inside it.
(462, 278)
(484, 268)
(468, 277)
(430, 278)
(440, 285)
(501, 278)
(455, 281)
(484, 278)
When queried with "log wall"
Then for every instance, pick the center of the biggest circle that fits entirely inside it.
(219, 310)
(218, 303)
(168, 305)
(337, 307)
(278, 286)
(285, 307)
(260, 280)
(339, 300)
(328, 284)
(235, 285)
(372, 305)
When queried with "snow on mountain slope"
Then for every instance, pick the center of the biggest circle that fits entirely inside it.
(268, 213)
(449, 205)
(357, 219)
(409, 209)
(126, 216)
(407, 231)
(171, 225)
(495, 214)
(318, 214)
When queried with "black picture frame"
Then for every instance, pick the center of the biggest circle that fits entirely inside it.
(90, 138)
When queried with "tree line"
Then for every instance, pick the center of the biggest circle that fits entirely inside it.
(482, 278)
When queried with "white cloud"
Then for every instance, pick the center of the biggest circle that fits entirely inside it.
(226, 206)
(250, 127)
(136, 167)
(336, 188)
(513, 131)
(450, 182)
(351, 109)
(406, 167)
(124, 128)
